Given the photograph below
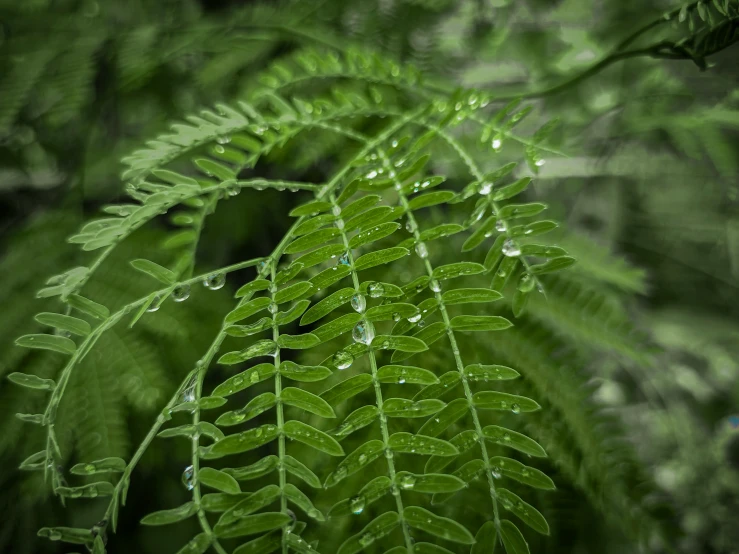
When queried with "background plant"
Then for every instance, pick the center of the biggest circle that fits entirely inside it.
(577, 351)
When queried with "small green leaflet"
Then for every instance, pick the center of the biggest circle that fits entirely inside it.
(242, 442)
(376, 529)
(298, 342)
(521, 210)
(406, 374)
(314, 223)
(509, 191)
(197, 545)
(521, 473)
(403, 407)
(300, 471)
(430, 199)
(263, 467)
(288, 273)
(250, 308)
(329, 276)
(311, 239)
(42, 341)
(319, 255)
(467, 296)
(369, 218)
(389, 312)
(310, 208)
(161, 274)
(494, 400)
(347, 388)
(327, 305)
(255, 501)
(311, 436)
(428, 548)
(245, 379)
(440, 231)
(262, 545)
(64, 322)
(291, 292)
(297, 309)
(550, 266)
(486, 539)
(165, 517)
(361, 417)
(379, 257)
(306, 401)
(374, 234)
(450, 414)
(480, 372)
(451, 271)
(32, 381)
(360, 205)
(371, 492)
(257, 405)
(294, 495)
(105, 465)
(526, 512)
(303, 373)
(354, 462)
(464, 441)
(446, 383)
(66, 534)
(253, 524)
(93, 490)
(506, 437)
(400, 343)
(211, 168)
(420, 444)
(480, 323)
(442, 527)
(428, 482)
(218, 480)
(260, 348)
(254, 286)
(512, 538)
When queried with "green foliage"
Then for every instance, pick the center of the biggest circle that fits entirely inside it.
(401, 359)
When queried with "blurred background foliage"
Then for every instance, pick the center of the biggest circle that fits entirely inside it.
(642, 336)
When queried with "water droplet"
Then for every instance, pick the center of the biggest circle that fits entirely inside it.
(421, 250)
(506, 437)
(477, 214)
(407, 481)
(359, 303)
(410, 225)
(90, 468)
(357, 504)
(344, 259)
(181, 293)
(366, 539)
(396, 316)
(515, 408)
(511, 249)
(485, 188)
(215, 281)
(254, 377)
(273, 308)
(187, 478)
(501, 226)
(343, 359)
(415, 318)
(225, 139)
(155, 304)
(540, 162)
(376, 290)
(362, 458)
(497, 143)
(422, 323)
(371, 175)
(54, 535)
(219, 149)
(293, 520)
(363, 332)
(434, 285)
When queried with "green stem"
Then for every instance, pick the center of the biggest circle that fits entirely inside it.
(378, 391)
(278, 407)
(452, 339)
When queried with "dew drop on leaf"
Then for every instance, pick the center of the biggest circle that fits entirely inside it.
(421, 250)
(407, 481)
(359, 303)
(187, 478)
(376, 290)
(363, 332)
(511, 249)
(343, 359)
(357, 504)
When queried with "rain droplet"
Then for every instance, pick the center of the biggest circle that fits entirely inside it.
(344, 259)
(415, 318)
(421, 250)
(359, 303)
(396, 316)
(434, 285)
(540, 162)
(90, 468)
(362, 458)
(215, 281)
(407, 481)
(410, 225)
(155, 304)
(501, 226)
(223, 139)
(181, 293)
(343, 359)
(516, 409)
(366, 539)
(363, 332)
(187, 478)
(273, 308)
(357, 504)
(254, 377)
(497, 143)
(511, 249)
(376, 290)
(293, 520)
(485, 188)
